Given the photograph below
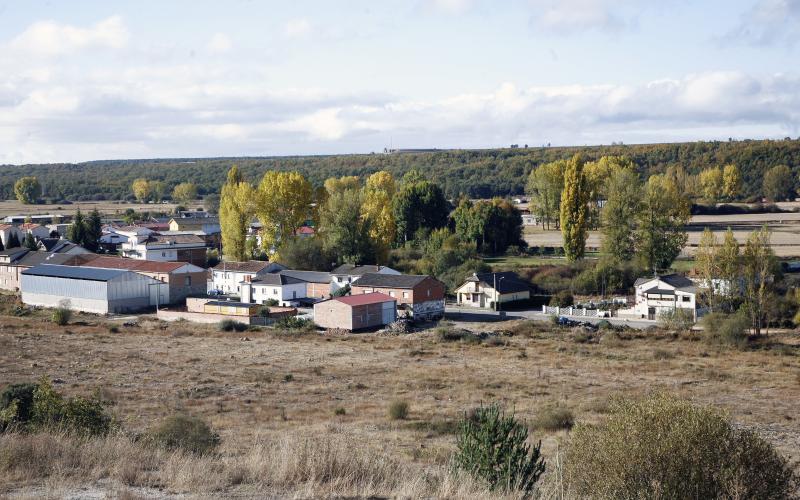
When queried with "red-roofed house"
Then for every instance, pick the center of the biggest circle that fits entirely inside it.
(356, 312)
(184, 279)
(305, 232)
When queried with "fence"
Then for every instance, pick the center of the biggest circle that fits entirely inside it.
(575, 311)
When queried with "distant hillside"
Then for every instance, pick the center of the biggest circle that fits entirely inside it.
(477, 173)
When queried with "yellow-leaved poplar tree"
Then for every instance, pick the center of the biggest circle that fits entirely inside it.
(283, 205)
(236, 210)
(574, 209)
(377, 210)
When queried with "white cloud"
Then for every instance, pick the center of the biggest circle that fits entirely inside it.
(297, 28)
(573, 16)
(452, 6)
(50, 38)
(219, 43)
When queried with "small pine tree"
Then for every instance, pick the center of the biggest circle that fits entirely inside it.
(30, 242)
(13, 240)
(77, 231)
(2, 247)
(492, 446)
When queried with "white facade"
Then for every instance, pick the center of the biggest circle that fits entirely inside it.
(656, 295)
(125, 292)
(285, 294)
(228, 280)
(340, 279)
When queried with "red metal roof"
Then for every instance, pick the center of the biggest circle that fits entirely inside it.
(304, 230)
(365, 298)
(145, 266)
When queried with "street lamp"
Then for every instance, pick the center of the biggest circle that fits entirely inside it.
(496, 292)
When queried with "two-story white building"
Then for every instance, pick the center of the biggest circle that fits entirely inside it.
(346, 274)
(285, 289)
(226, 277)
(664, 293)
(164, 248)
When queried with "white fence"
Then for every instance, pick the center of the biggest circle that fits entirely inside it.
(575, 311)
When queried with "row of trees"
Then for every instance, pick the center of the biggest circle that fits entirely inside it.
(734, 278)
(145, 190)
(645, 221)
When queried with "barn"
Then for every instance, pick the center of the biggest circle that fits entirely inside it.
(89, 289)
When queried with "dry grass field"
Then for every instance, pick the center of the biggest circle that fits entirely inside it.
(272, 395)
(13, 207)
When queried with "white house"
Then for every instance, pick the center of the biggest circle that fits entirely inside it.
(285, 289)
(36, 230)
(227, 277)
(486, 289)
(165, 248)
(348, 273)
(6, 230)
(663, 293)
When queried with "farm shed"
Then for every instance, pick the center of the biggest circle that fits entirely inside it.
(88, 289)
(355, 312)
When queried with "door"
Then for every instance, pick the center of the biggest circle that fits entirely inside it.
(389, 313)
(651, 313)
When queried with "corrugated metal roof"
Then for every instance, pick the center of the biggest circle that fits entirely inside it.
(228, 303)
(390, 280)
(72, 272)
(365, 298)
(308, 276)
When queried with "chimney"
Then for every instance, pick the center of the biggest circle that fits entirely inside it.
(248, 278)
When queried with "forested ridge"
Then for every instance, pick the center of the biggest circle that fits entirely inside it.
(476, 173)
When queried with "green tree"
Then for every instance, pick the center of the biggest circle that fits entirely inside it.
(211, 203)
(346, 234)
(305, 253)
(283, 205)
(778, 183)
(544, 186)
(598, 177)
(28, 190)
(30, 242)
(661, 223)
(13, 240)
(624, 200)
(493, 225)
(418, 205)
(157, 190)
(729, 262)
(94, 231)
(184, 193)
(574, 209)
(236, 211)
(707, 263)
(77, 231)
(758, 263)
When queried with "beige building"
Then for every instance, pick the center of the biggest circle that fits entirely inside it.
(356, 312)
(487, 289)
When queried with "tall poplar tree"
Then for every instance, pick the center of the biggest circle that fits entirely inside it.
(574, 209)
(235, 213)
(619, 215)
(708, 266)
(661, 223)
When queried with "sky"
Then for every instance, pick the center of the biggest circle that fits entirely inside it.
(88, 80)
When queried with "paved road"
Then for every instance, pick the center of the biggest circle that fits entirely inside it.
(468, 315)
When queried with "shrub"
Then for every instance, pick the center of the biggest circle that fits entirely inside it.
(16, 403)
(294, 323)
(340, 411)
(78, 415)
(229, 325)
(271, 302)
(398, 410)
(726, 329)
(562, 299)
(663, 447)
(341, 292)
(61, 315)
(492, 447)
(604, 324)
(554, 418)
(676, 319)
(186, 433)
(445, 334)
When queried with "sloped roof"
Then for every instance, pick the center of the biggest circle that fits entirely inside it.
(365, 298)
(32, 258)
(30, 225)
(507, 282)
(304, 230)
(72, 272)
(106, 262)
(390, 280)
(14, 251)
(308, 276)
(676, 280)
(276, 279)
(356, 270)
(250, 266)
(177, 239)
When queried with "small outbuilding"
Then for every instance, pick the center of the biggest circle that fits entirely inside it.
(356, 312)
(89, 289)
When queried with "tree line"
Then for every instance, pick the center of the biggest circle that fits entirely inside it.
(474, 173)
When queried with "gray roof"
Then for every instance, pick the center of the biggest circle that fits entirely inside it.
(275, 279)
(356, 270)
(31, 259)
(675, 280)
(73, 272)
(14, 251)
(308, 276)
(507, 282)
(390, 280)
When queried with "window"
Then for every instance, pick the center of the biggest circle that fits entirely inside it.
(187, 281)
(429, 292)
(274, 291)
(366, 292)
(391, 294)
(686, 298)
(405, 295)
(163, 254)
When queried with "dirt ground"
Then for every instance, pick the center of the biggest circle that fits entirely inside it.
(266, 382)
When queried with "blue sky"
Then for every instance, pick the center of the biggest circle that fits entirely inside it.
(84, 80)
